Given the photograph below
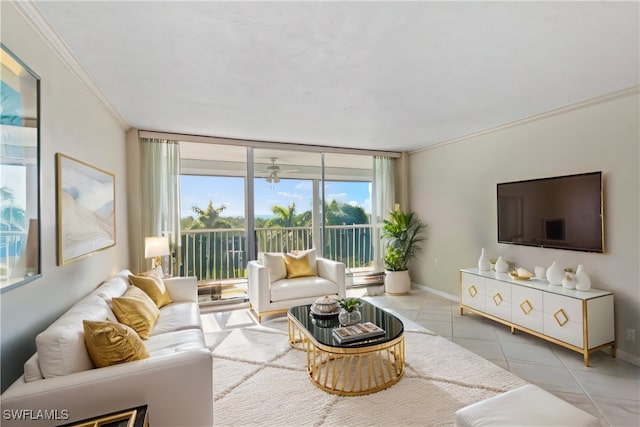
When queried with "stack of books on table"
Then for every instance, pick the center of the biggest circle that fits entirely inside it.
(357, 332)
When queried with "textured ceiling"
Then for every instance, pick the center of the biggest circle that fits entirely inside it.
(375, 75)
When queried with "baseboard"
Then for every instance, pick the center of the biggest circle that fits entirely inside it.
(628, 357)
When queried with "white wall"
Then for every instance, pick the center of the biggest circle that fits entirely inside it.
(76, 123)
(453, 189)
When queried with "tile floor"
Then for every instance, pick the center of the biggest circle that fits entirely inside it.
(609, 389)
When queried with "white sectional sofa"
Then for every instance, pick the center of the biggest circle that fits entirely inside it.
(175, 381)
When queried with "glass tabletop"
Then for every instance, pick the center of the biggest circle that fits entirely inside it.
(321, 328)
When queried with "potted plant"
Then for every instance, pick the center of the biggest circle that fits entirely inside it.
(403, 234)
(349, 311)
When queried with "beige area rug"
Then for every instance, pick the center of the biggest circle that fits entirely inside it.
(259, 380)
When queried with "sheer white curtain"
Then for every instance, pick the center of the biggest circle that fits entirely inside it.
(161, 191)
(382, 202)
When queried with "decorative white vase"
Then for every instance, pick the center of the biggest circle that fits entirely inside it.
(555, 274)
(483, 263)
(502, 266)
(568, 282)
(583, 281)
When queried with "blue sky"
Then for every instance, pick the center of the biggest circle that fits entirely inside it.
(228, 191)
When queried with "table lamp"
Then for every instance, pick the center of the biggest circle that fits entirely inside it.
(155, 248)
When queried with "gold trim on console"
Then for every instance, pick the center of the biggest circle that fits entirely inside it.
(472, 291)
(526, 307)
(497, 299)
(564, 315)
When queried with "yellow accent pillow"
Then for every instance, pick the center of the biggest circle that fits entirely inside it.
(110, 343)
(137, 310)
(153, 286)
(298, 267)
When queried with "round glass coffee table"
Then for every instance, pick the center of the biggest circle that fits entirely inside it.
(351, 369)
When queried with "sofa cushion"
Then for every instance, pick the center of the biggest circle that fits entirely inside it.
(153, 286)
(311, 254)
(115, 286)
(298, 266)
(32, 370)
(172, 342)
(277, 268)
(61, 349)
(110, 343)
(178, 316)
(528, 405)
(137, 310)
(302, 287)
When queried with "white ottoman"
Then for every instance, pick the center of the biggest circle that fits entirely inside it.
(528, 405)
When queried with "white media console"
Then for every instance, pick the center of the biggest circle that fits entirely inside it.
(580, 321)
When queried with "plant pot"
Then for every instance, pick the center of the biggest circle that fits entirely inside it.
(347, 318)
(397, 282)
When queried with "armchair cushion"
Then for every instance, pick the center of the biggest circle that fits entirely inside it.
(298, 266)
(311, 255)
(277, 267)
(302, 287)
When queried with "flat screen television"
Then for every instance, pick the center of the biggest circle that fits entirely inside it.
(563, 212)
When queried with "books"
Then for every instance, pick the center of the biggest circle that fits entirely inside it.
(357, 332)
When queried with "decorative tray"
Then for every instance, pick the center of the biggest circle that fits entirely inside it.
(515, 276)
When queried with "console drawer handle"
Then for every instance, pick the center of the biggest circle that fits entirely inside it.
(526, 307)
(473, 291)
(561, 317)
(497, 299)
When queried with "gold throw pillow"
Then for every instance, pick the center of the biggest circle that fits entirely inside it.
(110, 343)
(153, 286)
(137, 310)
(298, 267)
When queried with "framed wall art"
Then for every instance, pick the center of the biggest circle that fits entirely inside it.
(20, 260)
(86, 209)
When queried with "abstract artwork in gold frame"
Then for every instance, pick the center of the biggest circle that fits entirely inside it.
(86, 209)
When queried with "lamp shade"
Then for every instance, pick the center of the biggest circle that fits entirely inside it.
(156, 246)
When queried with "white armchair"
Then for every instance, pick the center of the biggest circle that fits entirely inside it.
(272, 292)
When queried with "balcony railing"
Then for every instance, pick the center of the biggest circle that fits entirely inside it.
(216, 254)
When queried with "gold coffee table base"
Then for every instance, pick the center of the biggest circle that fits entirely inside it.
(349, 371)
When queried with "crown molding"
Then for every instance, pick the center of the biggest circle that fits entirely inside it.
(633, 90)
(33, 16)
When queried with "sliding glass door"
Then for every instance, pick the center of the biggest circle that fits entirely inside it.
(213, 222)
(347, 202)
(238, 202)
(287, 213)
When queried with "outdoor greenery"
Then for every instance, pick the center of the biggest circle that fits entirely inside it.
(403, 234)
(337, 213)
(222, 254)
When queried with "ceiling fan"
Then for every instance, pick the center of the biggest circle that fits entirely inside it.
(273, 172)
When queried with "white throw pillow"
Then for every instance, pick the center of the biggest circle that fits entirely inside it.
(311, 254)
(277, 267)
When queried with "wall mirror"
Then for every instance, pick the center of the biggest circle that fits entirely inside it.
(19, 172)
